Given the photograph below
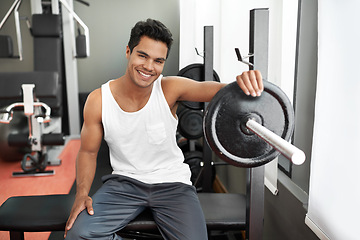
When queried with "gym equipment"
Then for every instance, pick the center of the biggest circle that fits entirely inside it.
(54, 47)
(195, 71)
(6, 49)
(232, 118)
(6, 42)
(82, 47)
(193, 156)
(48, 89)
(242, 58)
(186, 145)
(19, 124)
(190, 123)
(82, 40)
(195, 161)
(38, 114)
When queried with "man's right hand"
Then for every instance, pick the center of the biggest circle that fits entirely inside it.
(81, 203)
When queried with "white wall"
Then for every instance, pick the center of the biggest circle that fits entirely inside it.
(334, 194)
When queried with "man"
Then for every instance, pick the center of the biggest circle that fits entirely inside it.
(136, 115)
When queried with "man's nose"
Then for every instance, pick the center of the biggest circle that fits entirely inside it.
(149, 65)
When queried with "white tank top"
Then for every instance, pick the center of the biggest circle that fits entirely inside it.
(143, 144)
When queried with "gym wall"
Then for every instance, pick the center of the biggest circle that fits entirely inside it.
(109, 24)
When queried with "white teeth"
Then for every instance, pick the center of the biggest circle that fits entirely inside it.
(145, 75)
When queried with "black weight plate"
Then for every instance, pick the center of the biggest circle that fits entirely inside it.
(191, 124)
(228, 110)
(195, 71)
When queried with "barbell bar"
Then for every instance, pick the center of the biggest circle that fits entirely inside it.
(294, 154)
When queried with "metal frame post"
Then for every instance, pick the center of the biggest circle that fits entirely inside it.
(208, 74)
(71, 74)
(259, 38)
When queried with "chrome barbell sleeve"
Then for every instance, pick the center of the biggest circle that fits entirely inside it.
(294, 154)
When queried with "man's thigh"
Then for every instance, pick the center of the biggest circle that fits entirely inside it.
(115, 204)
(178, 212)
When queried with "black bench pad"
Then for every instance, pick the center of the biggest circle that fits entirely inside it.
(35, 213)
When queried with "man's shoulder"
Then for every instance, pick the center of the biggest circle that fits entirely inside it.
(95, 93)
(171, 80)
(94, 97)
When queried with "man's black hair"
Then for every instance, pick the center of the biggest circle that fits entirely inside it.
(153, 29)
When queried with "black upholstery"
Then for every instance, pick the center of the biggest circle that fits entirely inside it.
(35, 213)
(81, 46)
(224, 211)
(47, 87)
(48, 51)
(6, 46)
(46, 25)
(45, 50)
(50, 212)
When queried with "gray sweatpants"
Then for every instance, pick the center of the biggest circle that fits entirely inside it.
(175, 207)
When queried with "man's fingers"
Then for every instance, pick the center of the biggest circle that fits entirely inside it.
(88, 205)
(69, 224)
(242, 85)
(76, 210)
(259, 80)
(245, 81)
(90, 211)
(251, 82)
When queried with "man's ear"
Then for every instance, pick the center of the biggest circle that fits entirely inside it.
(128, 52)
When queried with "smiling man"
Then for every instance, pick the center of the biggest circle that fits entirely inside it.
(136, 115)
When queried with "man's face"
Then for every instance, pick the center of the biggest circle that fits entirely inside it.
(146, 62)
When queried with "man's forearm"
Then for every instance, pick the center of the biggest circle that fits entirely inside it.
(85, 172)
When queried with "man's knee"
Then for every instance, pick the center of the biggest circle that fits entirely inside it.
(78, 232)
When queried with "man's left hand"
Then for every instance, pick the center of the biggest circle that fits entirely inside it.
(251, 82)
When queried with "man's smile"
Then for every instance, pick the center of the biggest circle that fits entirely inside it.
(144, 74)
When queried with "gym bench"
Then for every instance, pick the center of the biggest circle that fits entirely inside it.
(44, 213)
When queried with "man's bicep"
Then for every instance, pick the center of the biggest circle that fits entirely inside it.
(91, 137)
(92, 129)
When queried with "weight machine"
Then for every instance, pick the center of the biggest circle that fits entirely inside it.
(38, 115)
(53, 82)
(53, 31)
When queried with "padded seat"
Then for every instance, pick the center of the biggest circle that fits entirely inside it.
(47, 87)
(222, 211)
(35, 213)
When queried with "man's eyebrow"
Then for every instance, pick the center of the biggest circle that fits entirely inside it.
(141, 52)
(144, 53)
